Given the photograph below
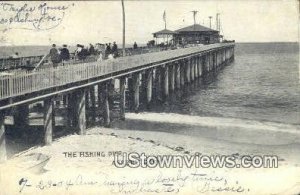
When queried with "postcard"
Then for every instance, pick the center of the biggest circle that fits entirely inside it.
(149, 97)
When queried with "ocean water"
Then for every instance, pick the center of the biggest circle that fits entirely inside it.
(261, 84)
(259, 91)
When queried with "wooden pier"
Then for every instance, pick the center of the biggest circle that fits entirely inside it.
(88, 86)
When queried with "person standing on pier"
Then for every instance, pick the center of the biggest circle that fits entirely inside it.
(107, 50)
(64, 53)
(114, 50)
(135, 45)
(54, 56)
(91, 50)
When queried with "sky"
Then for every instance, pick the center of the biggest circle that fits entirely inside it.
(101, 21)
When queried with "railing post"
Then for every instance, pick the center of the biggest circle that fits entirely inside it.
(3, 156)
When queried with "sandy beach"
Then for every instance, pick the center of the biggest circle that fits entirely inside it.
(47, 169)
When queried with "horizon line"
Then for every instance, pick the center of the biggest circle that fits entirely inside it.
(146, 43)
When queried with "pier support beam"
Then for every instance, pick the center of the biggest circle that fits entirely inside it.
(200, 65)
(104, 104)
(49, 124)
(197, 67)
(21, 116)
(143, 88)
(208, 62)
(71, 116)
(2, 137)
(130, 92)
(122, 98)
(149, 75)
(172, 77)
(182, 72)
(177, 72)
(136, 89)
(81, 112)
(192, 69)
(93, 104)
(158, 83)
(165, 80)
(188, 71)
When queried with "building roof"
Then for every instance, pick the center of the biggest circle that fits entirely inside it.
(164, 32)
(195, 28)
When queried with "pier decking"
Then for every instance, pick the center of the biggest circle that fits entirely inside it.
(165, 70)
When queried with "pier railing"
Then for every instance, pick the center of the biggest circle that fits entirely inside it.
(30, 62)
(23, 82)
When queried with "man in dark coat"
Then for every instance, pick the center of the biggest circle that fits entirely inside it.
(64, 53)
(54, 56)
(114, 50)
(135, 45)
(92, 50)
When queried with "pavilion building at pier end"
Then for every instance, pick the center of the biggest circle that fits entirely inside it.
(193, 34)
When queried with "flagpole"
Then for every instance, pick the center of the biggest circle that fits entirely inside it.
(165, 20)
(123, 46)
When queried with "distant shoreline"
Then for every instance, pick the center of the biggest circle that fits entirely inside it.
(139, 44)
(36, 50)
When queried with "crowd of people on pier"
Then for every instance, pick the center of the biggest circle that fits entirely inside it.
(99, 52)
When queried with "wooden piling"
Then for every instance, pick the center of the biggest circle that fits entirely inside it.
(122, 97)
(130, 92)
(172, 77)
(177, 66)
(200, 68)
(3, 156)
(208, 62)
(196, 67)
(193, 61)
(158, 84)
(182, 72)
(93, 104)
(87, 99)
(48, 120)
(21, 116)
(143, 93)
(104, 93)
(136, 88)
(71, 113)
(81, 112)
(188, 71)
(149, 75)
(165, 80)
